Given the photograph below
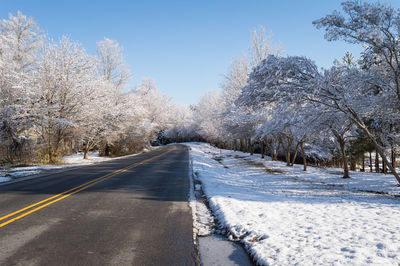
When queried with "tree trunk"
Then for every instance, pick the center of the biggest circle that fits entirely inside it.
(385, 160)
(377, 147)
(287, 156)
(86, 151)
(342, 145)
(393, 157)
(376, 162)
(250, 147)
(289, 144)
(107, 150)
(303, 154)
(370, 161)
(363, 164)
(353, 165)
(295, 153)
(271, 149)
(384, 167)
(276, 151)
(266, 145)
(262, 148)
(272, 152)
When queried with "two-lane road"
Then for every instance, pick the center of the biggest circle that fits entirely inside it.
(130, 211)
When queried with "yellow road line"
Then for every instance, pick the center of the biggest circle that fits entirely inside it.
(55, 196)
(72, 191)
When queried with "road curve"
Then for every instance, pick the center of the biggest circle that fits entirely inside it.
(130, 211)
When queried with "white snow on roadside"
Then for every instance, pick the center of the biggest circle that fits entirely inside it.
(77, 158)
(8, 174)
(286, 216)
(202, 218)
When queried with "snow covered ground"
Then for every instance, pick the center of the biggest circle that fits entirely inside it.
(285, 216)
(74, 160)
(77, 158)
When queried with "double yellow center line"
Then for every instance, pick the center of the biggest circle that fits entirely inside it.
(46, 202)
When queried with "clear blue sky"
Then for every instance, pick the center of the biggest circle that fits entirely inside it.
(186, 46)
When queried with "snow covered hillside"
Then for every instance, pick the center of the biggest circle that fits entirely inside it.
(284, 216)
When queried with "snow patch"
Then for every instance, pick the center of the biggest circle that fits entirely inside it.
(77, 158)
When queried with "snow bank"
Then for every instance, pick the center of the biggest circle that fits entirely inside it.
(285, 216)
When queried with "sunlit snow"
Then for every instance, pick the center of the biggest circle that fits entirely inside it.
(285, 216)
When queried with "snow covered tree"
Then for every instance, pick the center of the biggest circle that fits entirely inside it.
(232, 85)
(145, 113)
(113, 75)
(102, 116)
(235, 80)
(111, 64)
(262, 46)
(182, 126)
(207, 116)
(239, 121)
(20, 38)
(288, 88)
(377, 28)
(350, 90)
(157, 107)
(66, 74)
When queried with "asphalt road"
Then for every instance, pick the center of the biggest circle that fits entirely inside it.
(135, 216)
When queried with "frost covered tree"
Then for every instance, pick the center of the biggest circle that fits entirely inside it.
(207, 116)
(20, 38)
(182, 126)
(239, 121)
(111, 64)
(342, 128)
(350, 91)
(377, 28)
(292, 87)
(262, 46)
(273, 89)
(65, 77)
(156, 106)
(235, 80)
(56, 98)
(146, 112)
(101, 117)
(232, 85)
(113, 74)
